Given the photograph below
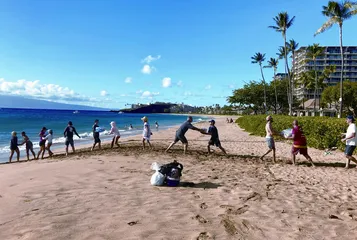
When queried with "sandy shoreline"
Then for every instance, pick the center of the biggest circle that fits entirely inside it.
(107, 194)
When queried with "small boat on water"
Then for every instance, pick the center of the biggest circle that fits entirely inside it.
(76, 112)
(120, 112)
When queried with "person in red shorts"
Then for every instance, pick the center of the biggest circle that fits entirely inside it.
(300, 143)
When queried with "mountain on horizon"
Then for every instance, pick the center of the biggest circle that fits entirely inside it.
(22, 102)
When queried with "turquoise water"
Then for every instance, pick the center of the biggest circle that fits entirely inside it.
(32, 120)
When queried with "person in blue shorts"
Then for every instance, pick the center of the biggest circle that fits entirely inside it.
(180, 134)
(213, 132)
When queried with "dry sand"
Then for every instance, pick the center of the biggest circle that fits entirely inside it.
(107, 194)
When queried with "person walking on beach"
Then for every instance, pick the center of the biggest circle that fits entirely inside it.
(68, 134)
(28, 145)
(351, 140)
(213, 131)
(180, 134)
(146, 132)
(42, 143)
(114, 130)
(269, 137)
(14, 147)
(157, 125)
(96, 135)
(300, 143)
(49, 138)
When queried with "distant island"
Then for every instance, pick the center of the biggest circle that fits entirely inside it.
(166, 107)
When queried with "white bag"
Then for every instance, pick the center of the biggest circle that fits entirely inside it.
(287, 133)
(157, 179)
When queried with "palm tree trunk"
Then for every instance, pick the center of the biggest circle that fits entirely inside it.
(289, 80)
(265, 94)
(342, 68)
(292, 78)
(315, 92)
(276, 93)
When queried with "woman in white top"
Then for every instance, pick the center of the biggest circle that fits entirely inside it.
(114, 130)
(146, 132)
(49, 138)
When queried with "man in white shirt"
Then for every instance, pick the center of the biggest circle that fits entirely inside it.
(351, 140)
(269, 137)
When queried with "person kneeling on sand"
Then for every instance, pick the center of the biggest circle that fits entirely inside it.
(269, 137)
(300, 143)
(180, 134)
(351, 140)
(212, 130)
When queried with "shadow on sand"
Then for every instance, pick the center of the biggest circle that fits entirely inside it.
(324, 164)
(203, 185)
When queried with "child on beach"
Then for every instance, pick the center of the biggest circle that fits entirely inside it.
(213, 131)
(114, 130)
(42, 143)
(28, 145)
(146, 132)
(14, 147)
(68, 134)
(49, 138)
(96, 135)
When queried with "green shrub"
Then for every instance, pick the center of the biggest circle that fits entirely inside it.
(320, 132)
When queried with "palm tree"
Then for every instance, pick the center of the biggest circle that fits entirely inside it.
(281, 52)
(273, 63)
(306, 81)
(312, 53)
(260, 58)
(293, 47)
(282, 24)
(337, 13)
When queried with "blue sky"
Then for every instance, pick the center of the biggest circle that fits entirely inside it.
(93, 52)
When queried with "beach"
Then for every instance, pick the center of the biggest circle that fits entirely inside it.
(106, 194)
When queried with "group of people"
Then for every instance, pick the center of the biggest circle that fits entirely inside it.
(300, 144)
(46, 138)
(229, 120)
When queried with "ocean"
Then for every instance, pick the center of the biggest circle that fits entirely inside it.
(32, 120)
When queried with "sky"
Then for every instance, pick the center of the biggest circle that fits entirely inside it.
(109, 53)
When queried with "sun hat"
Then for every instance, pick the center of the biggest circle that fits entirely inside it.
(145, 118)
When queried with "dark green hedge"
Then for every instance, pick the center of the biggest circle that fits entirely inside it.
(321, 132)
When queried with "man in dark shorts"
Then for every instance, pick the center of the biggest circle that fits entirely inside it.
(68, 134)
(96, 135)
(300, 143)
(213, 131)
(180, 134)
(350, 137)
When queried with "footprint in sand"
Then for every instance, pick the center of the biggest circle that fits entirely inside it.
(204, 236)
(201, 219)
(203, 206)
(196, 195)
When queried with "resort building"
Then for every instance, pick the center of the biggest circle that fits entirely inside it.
(331, 57)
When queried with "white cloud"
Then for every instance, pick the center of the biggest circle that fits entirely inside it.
(139, 91)
(37, 90)
(150, 59)
(103, 93)
(166, 82)
(179, 83)
(147, 69)
(208, 87)
(148, 94)
(128, 80)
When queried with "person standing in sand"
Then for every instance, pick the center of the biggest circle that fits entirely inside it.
(269, 137)
(180, 134)
(351, 140)
(28, 145)
(300, 143)
(14, 147)
(42, 143)
(157, 125)
(213, 132)
(49, 138)
(114, 130)
(68, 134)
(146, 132)
(96, 135)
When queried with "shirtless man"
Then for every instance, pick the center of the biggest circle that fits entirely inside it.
(269, 137)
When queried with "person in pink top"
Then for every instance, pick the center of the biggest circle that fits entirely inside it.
(300, 143)
(114, 130)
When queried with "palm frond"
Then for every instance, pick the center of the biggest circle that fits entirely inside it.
(327, 25)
